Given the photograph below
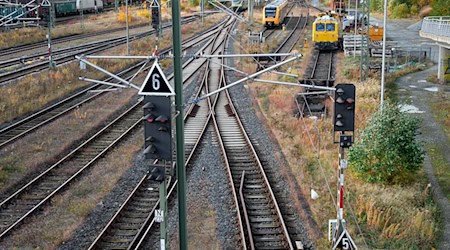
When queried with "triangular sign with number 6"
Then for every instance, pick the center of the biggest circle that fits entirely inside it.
(156, 83)
(45, 3)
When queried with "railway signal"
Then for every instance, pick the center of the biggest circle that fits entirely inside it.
(156, 17)
(344, 121)
(344, 107)
(158, 128)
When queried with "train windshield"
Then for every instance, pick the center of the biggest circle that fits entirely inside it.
(271, 12)
(320, 27)
(330, 27)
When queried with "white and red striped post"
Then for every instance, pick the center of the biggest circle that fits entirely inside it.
(340, 193)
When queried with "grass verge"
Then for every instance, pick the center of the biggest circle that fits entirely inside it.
(441, 167)
(440, 107)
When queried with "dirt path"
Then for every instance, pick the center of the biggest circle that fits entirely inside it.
(416, 91)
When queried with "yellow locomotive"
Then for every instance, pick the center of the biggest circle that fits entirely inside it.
(326, 32)
(274, 13)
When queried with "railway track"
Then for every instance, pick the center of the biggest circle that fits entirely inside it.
(30, 123)
(322, 69)
(131, 224)
(320, 73)
(43, 44)
(264, 224)
(67, 55)
(28, 199)
(260, 219)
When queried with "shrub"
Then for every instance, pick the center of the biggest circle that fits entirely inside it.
(387, 152)
(400, 11)
(414, 10)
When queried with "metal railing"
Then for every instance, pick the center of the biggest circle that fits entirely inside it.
(437, 26)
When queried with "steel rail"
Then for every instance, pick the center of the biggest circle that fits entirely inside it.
(244, 208)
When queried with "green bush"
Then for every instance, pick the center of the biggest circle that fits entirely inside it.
(414, 10)
(400, 11)
(387, 151)
(440, 8)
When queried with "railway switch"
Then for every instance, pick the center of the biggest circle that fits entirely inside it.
(344, 107)
(157, 128)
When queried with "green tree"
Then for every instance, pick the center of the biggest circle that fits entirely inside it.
(440, 8)
(387, 151)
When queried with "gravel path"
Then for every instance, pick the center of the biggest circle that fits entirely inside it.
(416, 91)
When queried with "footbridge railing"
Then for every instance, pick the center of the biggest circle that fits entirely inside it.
(436, 28)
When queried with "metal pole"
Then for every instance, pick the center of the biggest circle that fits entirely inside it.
(160, 33)
(340, 197)
(115, 5)
(81, 16)
(128, 31)
(202, 9)
(250, 16)
(181, 171)
(163, 208)
(383, 60)
(356, 27)
(51, 64)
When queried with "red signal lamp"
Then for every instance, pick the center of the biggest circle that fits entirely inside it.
(150, 118)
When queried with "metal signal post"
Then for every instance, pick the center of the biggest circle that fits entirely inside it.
(158, 137)
(48, 4)
(344, 121)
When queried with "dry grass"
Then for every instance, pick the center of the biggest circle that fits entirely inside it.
(93, 23)
(391, 217)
